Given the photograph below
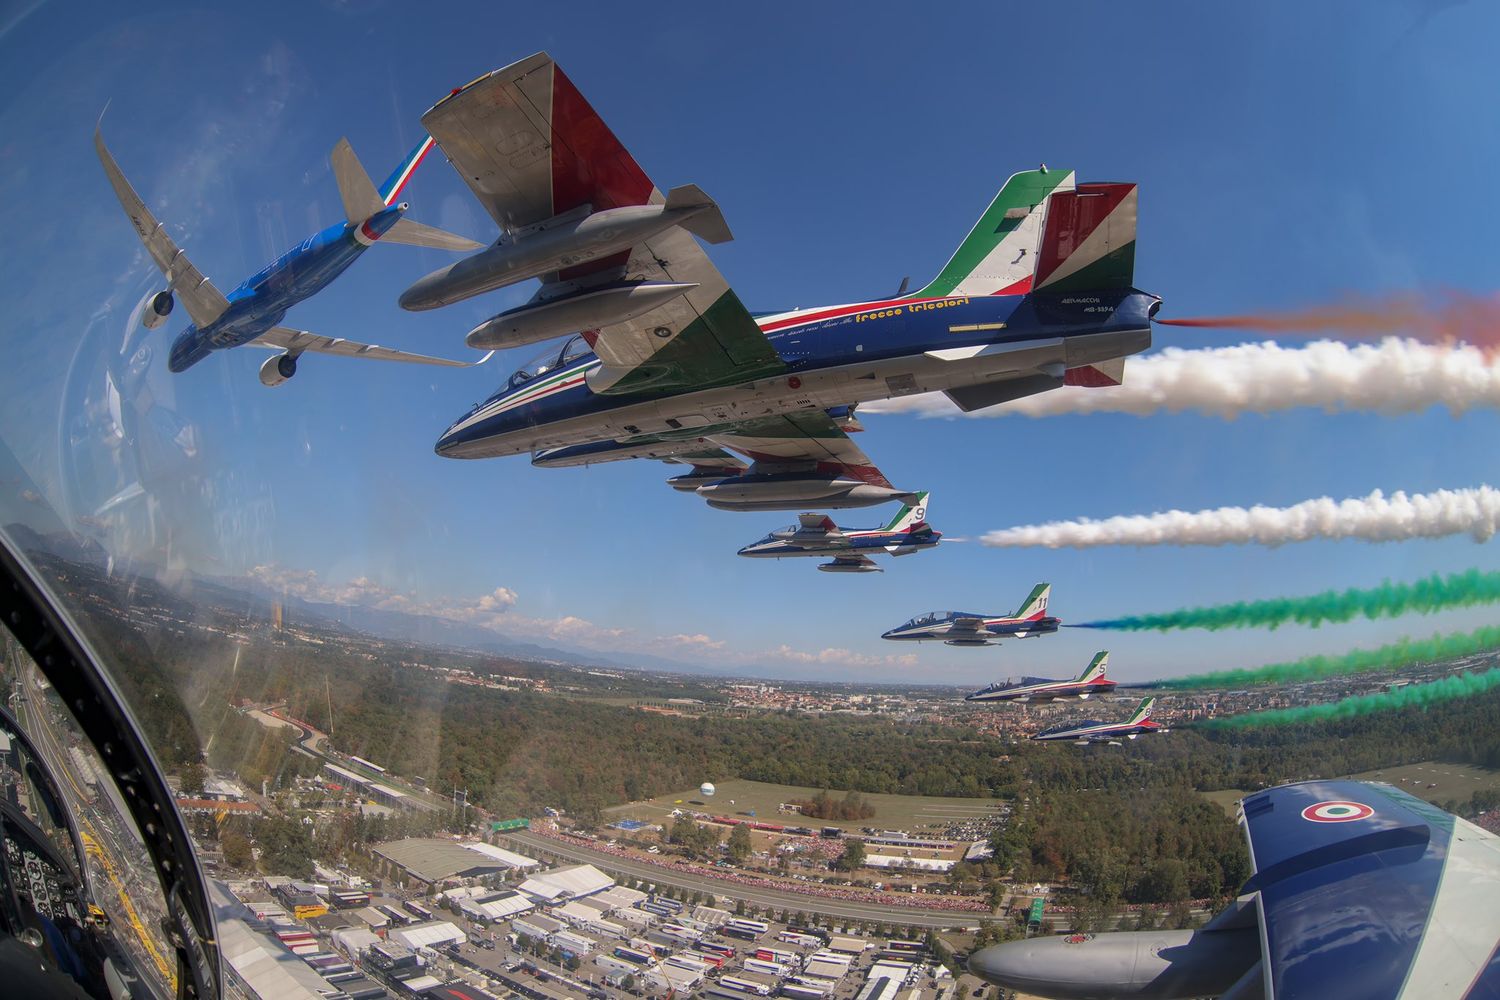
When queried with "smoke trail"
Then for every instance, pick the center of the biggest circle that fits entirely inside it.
(1375, 518)
(1389, 600)
(1449, 318)
(1464, 685)
(1401, 653)
(1392, 377)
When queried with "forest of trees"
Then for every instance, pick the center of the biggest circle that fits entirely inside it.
(825, 806)
(1120, 825)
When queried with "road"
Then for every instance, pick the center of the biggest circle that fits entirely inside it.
(771, 898)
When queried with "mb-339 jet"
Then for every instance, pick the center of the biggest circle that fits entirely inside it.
(668, 364)
(1092, 681)
(816, 535)
(252, 312)
(968, 628)
(1092, 731)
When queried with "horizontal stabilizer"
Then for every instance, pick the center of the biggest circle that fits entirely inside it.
(977, 397)
(414, 234)
(708, 223)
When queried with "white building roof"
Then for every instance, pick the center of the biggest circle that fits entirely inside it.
(916, 864)
(620, 897)
(429, 934)
(502, 855)
(499, 907)
(579, 880)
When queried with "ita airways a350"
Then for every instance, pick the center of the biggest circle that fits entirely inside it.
(252, 312)
(969, 628)
(667, 363)
(850, 549)
(1092, 731)
(1091, 682)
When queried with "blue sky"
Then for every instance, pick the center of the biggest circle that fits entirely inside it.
(1286, 154)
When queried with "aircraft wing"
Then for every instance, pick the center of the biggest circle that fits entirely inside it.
(531, 147)
(805, 436)
(966, 625)
(204, 302)
(863, 562)
(709, 458)
(1367, 891)
(282, 338)
(817, 522)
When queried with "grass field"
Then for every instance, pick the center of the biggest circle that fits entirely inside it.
(1436, 781)
(1226, 799)
(914, 813)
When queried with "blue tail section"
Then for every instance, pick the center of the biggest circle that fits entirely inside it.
(391, 189)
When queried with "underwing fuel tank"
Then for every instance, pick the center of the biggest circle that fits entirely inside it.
(566, 241)
(838, 567)
(589, 310)
(795, 491)
(1142, 965)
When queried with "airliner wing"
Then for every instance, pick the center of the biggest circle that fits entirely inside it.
(1367, 891)
(204, 302)
(531, 147)
(283, 338)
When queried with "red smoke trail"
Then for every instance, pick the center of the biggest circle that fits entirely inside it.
(1449, 318)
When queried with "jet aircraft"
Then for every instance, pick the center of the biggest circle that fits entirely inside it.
(250, 314)
(816, 535)
(670, 364)
(1092, 731)
(1091, 681)
(968, 628)
(1358, 890)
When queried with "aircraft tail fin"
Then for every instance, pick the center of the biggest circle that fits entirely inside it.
(1142, 711)
(999, 255)
(1096, 667)
(391, 189)
(361, 200)
(1035, 605)
(912, 516)
(1088, 243)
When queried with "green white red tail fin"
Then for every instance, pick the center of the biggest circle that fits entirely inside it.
(912, 515)
(1142, 711)
(999, 255)
(1088, 242)
(1035, 605)
(1096, 667)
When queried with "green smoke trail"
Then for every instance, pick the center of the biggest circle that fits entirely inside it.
(1389, 600)
(1401, 653)
(1431, 693)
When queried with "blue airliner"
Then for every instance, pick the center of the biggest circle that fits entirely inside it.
(250, 314)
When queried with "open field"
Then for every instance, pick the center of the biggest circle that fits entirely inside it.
(914, 813)
(1226, 799)
(1436, 781)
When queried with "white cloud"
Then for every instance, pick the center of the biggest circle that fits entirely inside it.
(839, 656)
(697, 641)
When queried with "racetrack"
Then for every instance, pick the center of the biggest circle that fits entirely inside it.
(755, 895)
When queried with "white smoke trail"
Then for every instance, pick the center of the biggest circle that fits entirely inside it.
(1393, 376)
(1375, 518)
